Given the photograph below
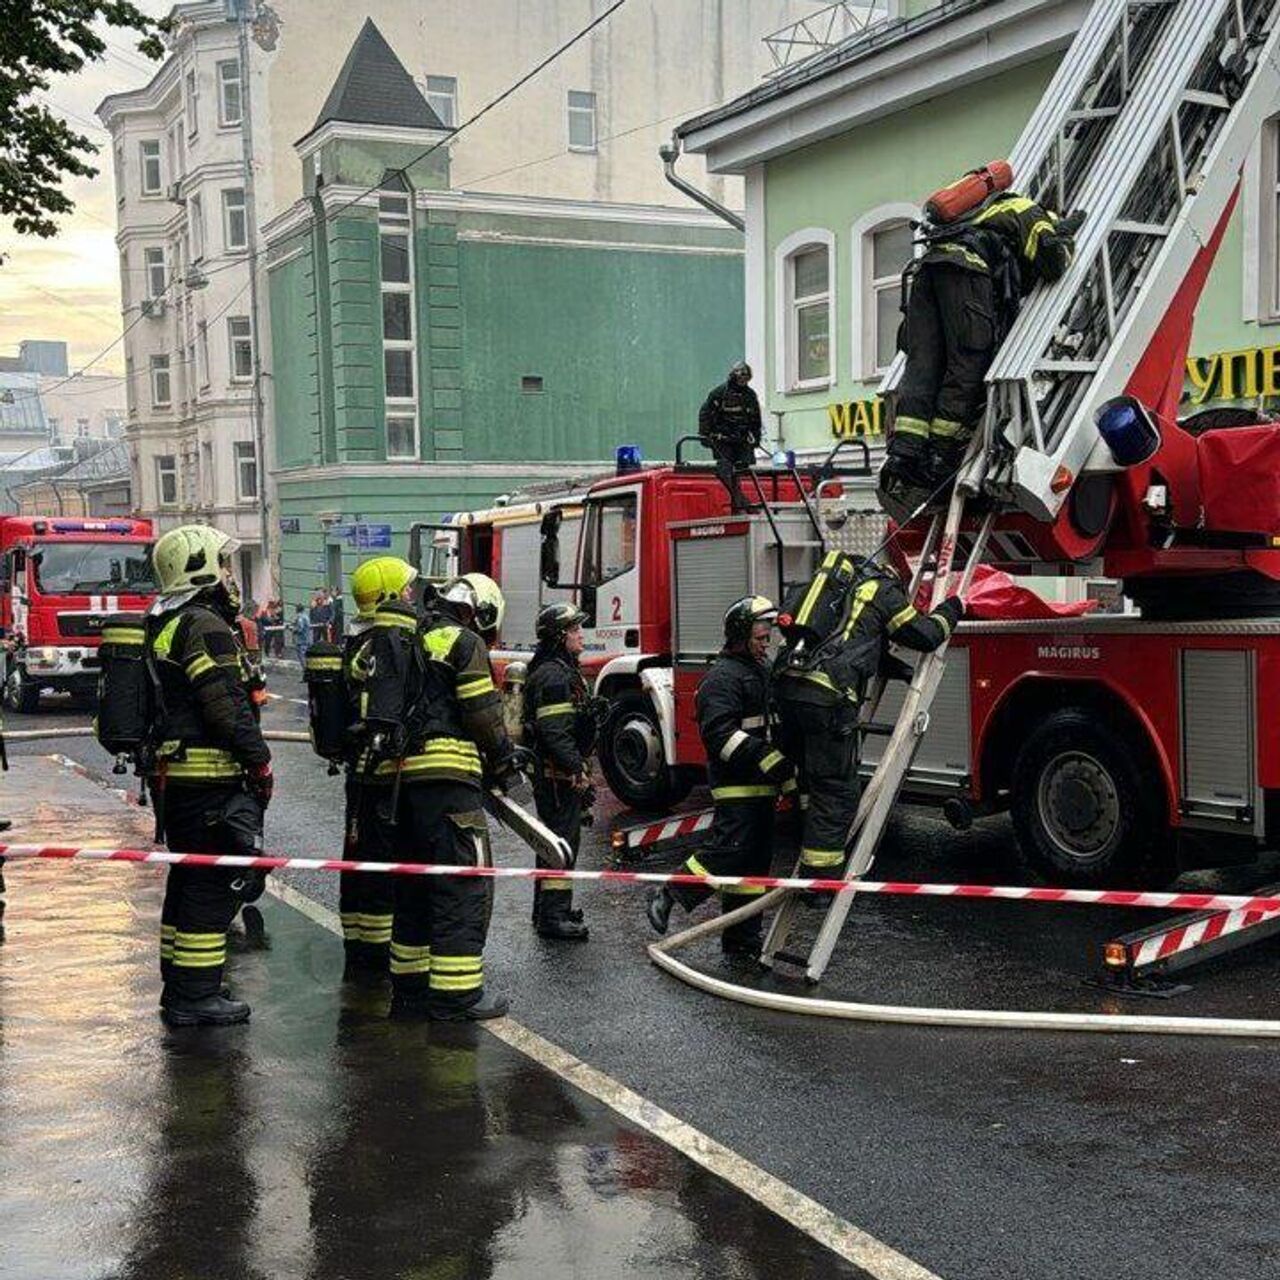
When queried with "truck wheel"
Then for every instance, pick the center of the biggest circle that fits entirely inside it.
(1084, 805)
(632, 758)
(20, 692)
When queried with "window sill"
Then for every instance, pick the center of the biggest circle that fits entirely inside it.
(229, 126)
(235, 250)
(583, 151)
(151, 195)
(808, 388)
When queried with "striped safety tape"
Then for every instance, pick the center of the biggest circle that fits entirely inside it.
(669, 829)
(1014, 893)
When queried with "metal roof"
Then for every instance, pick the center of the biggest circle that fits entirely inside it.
(25, 416)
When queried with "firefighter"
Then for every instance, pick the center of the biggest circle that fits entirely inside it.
(209, 771)
(729, 425)
(963, 294)
(560, 729)
(745, 771)
(456, 736)
(382, 588)
(820, 681)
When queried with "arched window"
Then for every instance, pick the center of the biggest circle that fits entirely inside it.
(882, 245)
(805, 306)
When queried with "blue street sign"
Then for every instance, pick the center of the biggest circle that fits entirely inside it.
(372, 537)
(290, 524)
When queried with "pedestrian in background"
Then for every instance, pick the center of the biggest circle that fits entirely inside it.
(301, 632)
(321, 615)
(338, 621)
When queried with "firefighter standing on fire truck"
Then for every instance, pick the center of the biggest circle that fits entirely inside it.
(561, 731)
(381, 588)
(821, 676)
(211, 769)
(746, 774)
(456, 736)
(729, 425)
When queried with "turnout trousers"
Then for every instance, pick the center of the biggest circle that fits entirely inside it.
(950, 342)
(733, 458)
(201, 902)
(559, 804)
(823, 741)
(438, 935)
(740, 843)
(366, 899)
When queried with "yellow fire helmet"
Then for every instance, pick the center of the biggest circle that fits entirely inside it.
(379, 581)
(481, 595)
(190, 558)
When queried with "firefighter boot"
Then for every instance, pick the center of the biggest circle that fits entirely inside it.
(659, 909)
(743, 942)
(554, 916)
(217, 1010)
(406, 1009)
(945, 460)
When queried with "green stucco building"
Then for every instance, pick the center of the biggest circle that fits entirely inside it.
(432, 349)
(838, 154)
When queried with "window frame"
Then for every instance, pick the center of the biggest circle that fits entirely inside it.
(227, 212)
(202, 354)
(220, 79)
(154, 367)
(191, 102)
(451, 95)
(236, 340)
(166, 467)
(395, 219)
(592, 113)
(593, 536)
(239, 462)
(786, 311)
(144, 190)
(149, 267)
(864, 286)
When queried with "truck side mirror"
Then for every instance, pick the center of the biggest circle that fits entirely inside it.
(549, 558)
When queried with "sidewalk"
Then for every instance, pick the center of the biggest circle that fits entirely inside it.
(320, 1140)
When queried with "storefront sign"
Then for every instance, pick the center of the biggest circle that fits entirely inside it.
(856, 419)
(1233, 375)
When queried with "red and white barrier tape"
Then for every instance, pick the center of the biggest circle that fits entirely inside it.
(1016, 893)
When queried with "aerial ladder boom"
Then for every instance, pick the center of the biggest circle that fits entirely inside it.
(1144, 126)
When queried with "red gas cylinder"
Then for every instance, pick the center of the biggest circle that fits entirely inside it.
(967, 193)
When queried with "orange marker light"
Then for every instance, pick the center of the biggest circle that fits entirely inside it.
(1062, 480)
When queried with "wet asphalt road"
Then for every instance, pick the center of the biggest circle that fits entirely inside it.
(978, 1154)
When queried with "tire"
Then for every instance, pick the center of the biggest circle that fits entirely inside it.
(20, 692)
(1085, 809)
(632, 759)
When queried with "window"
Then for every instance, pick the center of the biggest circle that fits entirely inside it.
(402, 436)
(156, 283)
(891, 250)
(115, 426)
(610, 539)
(119, 166)
(195, 208)
(442, 98)
(582, 121)
(149, 153)
(235, 226)
(82, 428)
(805, 310)
(246, 456)
(124, 279)
(167, 480)
(75, 568)
(240, 340)
(397, 323)
(395, 259)
(53, 425)
(161, 384)
(398, 366)
(193, 104)
(202, 353)
(229, 108)
(883, 243)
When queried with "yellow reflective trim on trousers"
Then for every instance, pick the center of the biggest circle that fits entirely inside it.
(694, 867)
(901, 618)
(551, 885)
(946, 428)
(475, 688)
(743, 890)
(768, 761)
(555, 709)
(749, 792)
(822, 857)
(456, 981)
(909, 426)
(198, 939)
(457, 964)
(407, 958)
(199, 959)
(323, 664)
(401, 967)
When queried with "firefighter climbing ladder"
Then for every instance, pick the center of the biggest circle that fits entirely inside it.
(1145, 126)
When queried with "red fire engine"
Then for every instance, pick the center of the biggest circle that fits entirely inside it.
(59, 578)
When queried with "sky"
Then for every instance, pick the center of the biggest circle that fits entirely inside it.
(69, 287)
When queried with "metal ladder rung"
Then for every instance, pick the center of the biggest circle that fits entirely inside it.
(1140, 228)
(1204, 98)
(1068, 366)
(1091, 113)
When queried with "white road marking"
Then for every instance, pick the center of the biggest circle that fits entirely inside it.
(794, 1207)
(280, 697)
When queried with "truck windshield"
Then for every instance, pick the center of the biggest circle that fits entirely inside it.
(77, 568)
(610, 547)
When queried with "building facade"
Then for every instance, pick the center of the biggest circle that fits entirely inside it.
(434, 348)
(837, 156)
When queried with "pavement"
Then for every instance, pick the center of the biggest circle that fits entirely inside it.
(972, 1154)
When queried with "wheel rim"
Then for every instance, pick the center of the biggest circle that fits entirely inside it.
(1078, 805)
(637, 751)
(13, 689)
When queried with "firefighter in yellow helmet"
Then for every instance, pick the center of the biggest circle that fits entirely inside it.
(210, 770)
(456, 738)
(382, 589)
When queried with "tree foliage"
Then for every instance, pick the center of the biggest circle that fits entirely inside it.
(40, 39)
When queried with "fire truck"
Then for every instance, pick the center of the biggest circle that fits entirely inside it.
(59, 578)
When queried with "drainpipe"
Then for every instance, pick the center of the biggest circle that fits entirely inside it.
(670, 153)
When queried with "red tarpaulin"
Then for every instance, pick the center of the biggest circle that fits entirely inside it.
(1240, 479)
(996, 597)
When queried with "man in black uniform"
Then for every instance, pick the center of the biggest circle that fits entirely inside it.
(819, 684)
(561, 731)
(212, 773)
(965, 292)
(745, 772)
(456, 737)
(729, 424)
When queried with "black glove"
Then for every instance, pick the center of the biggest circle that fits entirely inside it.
(1069, 225)
(261, 784)
(952, 608)
(509, 772)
